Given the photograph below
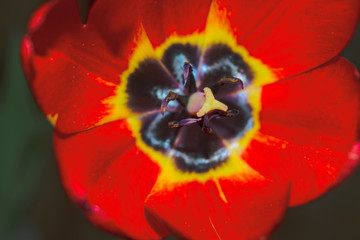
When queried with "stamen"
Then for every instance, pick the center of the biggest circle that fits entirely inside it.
(183, 122)
(169, 97)
(215, 114)
(232, 112)
(206, 125)
(189, 78)
(231, 80)
(214, 88)
(186, 71)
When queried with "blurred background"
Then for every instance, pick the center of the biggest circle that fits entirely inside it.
(33, 204)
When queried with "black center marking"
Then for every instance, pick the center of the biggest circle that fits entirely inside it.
(191, 149)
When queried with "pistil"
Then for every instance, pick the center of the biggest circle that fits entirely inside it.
(210, 104)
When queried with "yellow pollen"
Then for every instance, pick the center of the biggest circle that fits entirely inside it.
(210, 103)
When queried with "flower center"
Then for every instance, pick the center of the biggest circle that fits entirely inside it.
(201, 105)
(187, 92)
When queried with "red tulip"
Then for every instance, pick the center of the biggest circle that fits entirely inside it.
(278, 104)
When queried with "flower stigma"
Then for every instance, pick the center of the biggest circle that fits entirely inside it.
(200, 106)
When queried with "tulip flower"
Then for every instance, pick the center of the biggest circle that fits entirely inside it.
(201, 119)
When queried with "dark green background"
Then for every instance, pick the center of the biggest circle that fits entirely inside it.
(33, 204)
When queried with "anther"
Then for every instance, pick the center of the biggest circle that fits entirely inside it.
(232, 113)
(231, 80)
(183, 122)
(186, 71)
(169, 97)
(226, 80)
(189, 79)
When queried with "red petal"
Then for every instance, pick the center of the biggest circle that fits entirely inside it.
(117, 22)
(292, 36)
(68, 92)
(120, 194)
(221, 209)
(84, 157)
(52, 30)
(164, 18)
(308, 127)
(72, 68)
(104, 172)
